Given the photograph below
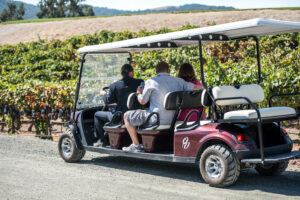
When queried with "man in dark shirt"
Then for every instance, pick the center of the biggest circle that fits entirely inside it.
(118, 93)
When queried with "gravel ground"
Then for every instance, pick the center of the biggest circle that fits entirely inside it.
(32, 169)
(15, 33)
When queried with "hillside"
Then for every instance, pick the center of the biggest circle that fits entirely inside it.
(100, 11)
(31, 10)
(15, 33)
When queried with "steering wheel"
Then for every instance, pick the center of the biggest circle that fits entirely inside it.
(105, 89)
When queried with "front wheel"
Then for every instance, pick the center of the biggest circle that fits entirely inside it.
(67, 148)
(218, 166)
(272, 169)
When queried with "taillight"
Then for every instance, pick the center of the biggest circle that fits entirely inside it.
(242, 138)
(284, 131)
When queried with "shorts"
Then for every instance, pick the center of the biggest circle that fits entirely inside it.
(138, 117)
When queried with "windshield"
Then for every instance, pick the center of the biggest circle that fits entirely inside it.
(99, 71)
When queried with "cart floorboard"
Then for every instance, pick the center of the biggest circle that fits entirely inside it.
(160, 156)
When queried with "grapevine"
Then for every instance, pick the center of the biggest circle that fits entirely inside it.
(37, 79)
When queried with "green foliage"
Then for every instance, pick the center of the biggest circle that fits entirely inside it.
(63, 8)
(39, 77)
(12, 13)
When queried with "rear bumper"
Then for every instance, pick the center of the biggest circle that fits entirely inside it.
(272, 154)
(268, 151)
(274, 159)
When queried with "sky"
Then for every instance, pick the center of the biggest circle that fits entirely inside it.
(144, 4)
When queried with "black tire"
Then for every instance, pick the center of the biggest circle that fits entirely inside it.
(67, 148)
(272, 169)
(228, 167)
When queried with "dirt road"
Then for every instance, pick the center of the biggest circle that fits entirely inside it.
(31, 169)
(15, 33)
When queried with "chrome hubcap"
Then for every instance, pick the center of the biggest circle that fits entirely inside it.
(213, 166)
(66, 147)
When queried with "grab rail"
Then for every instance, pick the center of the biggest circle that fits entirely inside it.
(283, 94)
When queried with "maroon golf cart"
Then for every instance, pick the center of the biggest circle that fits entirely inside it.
(231, 140)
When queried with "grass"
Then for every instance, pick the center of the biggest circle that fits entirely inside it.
(103, 16)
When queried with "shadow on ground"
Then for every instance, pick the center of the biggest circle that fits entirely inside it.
(287, 183)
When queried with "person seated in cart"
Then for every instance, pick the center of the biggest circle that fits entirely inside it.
(155, 90)
(187, 73)
(118, 93)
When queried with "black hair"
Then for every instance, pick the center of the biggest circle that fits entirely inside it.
(126, 69)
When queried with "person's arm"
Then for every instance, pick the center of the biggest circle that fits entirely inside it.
(111, 96)
(188, 86)
(140, 99)
(144, 94)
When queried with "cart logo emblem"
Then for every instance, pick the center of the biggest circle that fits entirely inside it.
(185, 143)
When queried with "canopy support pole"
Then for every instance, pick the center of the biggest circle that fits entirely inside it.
(201, 63)
(258, 59)
(78, 87)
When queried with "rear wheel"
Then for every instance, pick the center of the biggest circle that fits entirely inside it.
(218, 166)
(67, 148)
(272, 169)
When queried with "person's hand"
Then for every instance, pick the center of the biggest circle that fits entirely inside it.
(102, 92)
(197, 87)
(139, 90)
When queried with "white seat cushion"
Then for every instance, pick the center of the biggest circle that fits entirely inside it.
(253, 92)
(264, 112)
(163, 127)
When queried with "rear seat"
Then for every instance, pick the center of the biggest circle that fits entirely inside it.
(255, 94)
(160, 137)
(118, 136)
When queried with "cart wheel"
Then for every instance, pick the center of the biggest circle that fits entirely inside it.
(67, 148)
(272, 169)
(218, 166)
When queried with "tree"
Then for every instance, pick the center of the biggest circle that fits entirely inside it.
(75, 9)
(88, 10)
(52, 8)
(21, 12)
(63, 8)
(12, 13)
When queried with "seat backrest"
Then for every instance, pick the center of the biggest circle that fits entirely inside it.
(187, 100)
(133, 103)
(253, 92)
(206, 99)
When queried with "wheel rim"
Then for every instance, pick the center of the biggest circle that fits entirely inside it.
(66, 147)
(214, 166)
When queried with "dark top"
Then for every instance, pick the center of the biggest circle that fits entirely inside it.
(119, 92)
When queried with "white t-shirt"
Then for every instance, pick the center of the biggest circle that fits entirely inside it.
(156, 89)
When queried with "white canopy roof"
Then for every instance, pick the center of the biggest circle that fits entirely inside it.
(234, 30)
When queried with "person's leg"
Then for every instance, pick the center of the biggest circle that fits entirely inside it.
(133, 119)
(132, 131)
(100, 118)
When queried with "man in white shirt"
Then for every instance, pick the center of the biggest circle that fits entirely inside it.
(155, 90)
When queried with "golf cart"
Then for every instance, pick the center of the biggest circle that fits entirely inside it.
(222, 146)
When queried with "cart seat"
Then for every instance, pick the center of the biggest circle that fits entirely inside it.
(273, 112)
(160, 137)
(176, 101)
(255, 94)
(117, 123)
(118, 136)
